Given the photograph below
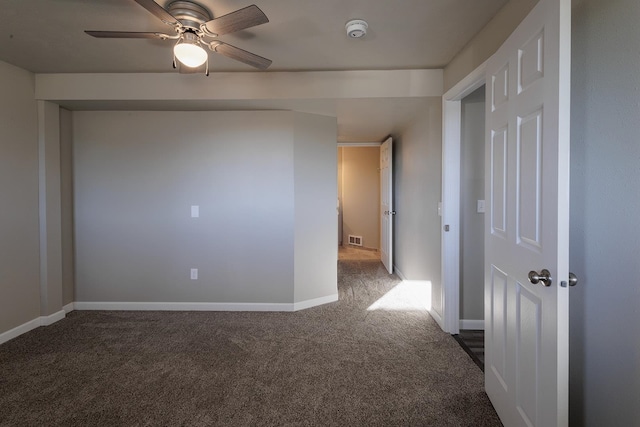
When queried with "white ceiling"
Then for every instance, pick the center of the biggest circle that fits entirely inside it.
(47, 36)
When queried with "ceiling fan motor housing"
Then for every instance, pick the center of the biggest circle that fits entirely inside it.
(356, 28)
(190, 14)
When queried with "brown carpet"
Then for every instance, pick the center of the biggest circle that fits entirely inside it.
(335, 365)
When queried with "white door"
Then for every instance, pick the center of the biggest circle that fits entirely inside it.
(527, 225)
(386, 204)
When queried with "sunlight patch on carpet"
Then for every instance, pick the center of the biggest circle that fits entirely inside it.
(409, 295)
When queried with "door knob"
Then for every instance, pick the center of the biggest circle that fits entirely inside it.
(544, 276)
(573, 280)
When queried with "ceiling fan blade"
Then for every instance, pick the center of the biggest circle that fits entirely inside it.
(125, 35)
(158, 11)
(242, 56)
(247, 17)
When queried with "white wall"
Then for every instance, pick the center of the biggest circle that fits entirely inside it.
(417, 175)
(19, 232)
(472, 222)
(360, 187)
(138, 173)
(605, 201)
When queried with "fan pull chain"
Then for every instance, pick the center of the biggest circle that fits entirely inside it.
(175, 65)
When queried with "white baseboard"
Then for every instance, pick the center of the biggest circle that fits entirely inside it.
(202, 306)
(472, 324)
(181, 306)
(19, 330)
(31, 325)
(437, 317)
(69, 307)
(301, 305)
(160, 306)
(399, 273)
(52, 318)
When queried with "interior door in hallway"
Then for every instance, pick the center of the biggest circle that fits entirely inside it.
(386, 204)
(527, 222)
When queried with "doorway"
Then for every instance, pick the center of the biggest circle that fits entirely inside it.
(359, 199)
(471, 281)
(472, 211)
(451, 176)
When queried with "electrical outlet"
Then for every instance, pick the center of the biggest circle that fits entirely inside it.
(194, 274)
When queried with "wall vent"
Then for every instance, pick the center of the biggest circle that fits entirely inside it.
(355, 240)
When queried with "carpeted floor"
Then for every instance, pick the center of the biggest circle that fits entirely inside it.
(334, 365)
(353, 253)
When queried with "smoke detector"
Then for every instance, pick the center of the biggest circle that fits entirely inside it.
(356, 28)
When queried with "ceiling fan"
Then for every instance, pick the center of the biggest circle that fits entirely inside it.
(194, 29)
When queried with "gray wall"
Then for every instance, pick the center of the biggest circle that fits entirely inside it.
(19, 229)
(66, 205)
(340, 216)
(50, 208)
(605, 202)
(361, 194)
(486, 42)
(138, 173)
(472, 222)
(417, 175)
(315, 193)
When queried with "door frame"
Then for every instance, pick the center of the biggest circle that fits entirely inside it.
(450, 243)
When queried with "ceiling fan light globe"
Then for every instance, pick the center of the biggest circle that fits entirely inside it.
(191, 55)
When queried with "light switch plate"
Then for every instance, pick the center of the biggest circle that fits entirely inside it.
(194, 274)
(195, 211)
(480, 207)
